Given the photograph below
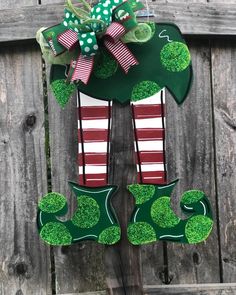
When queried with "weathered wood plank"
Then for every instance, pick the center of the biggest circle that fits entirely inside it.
(208, 289)
(87, 293)
(85, 268)
(224, 93)
(78, 268)
(222, 1)
(123, 260)
(195, 19)
(17, 4)
(153, 264)
(24, 259)
(190, 157)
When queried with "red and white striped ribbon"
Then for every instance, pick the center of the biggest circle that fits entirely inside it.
(118, 49)
(68, 39)
(83, 68)
(149, 128)
(114, 32)
(122, 54)
(94, 125)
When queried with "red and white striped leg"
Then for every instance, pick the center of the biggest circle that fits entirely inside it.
(94, 125)
(149, 129)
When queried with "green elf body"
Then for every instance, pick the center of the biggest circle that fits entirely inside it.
(159, 58)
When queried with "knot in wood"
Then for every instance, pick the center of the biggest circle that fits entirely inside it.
(165, 277)
(21, 268)
(196, 258)
(29, 122)
(226, 260)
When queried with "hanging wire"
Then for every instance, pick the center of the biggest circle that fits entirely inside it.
(147, 8)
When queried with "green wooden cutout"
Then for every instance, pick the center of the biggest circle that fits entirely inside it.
(153, 218)
(94, 218)
(164, 61)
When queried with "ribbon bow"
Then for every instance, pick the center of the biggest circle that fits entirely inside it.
(89, 28)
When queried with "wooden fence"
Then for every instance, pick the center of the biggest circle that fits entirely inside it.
(201, 151)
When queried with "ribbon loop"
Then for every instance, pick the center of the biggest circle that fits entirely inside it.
(83, 69)
(118, 49)
(88, 44)
(122, 54)
(68, 39)
(114, 32)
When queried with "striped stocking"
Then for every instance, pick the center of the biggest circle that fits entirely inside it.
(149, 129)
(94, 126)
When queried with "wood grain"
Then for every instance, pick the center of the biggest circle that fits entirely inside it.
(200, 151)
(24, 259)
(16, 4)
(190, 158)
(154, 261)
(209, 289)
(224, 93)
(197, 19)
(78, 268)
(123, 260)
(154, 269)
(87, 293)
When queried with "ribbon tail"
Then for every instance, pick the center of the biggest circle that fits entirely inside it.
(81, 69)
(122, 54)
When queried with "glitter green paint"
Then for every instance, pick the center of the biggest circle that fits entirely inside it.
(141, 233)
(142, 193)
(110, 235)
(62, 91)
(87, 214)
(175, 56)
(155, 220)
(191, 197)
(105, 66)
(162, 214)
(52, 203)
(94, 218)
(198, 229)
(55, 233)
(144, 89)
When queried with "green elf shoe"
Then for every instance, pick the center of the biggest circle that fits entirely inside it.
(154, 220)
(94, 218)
